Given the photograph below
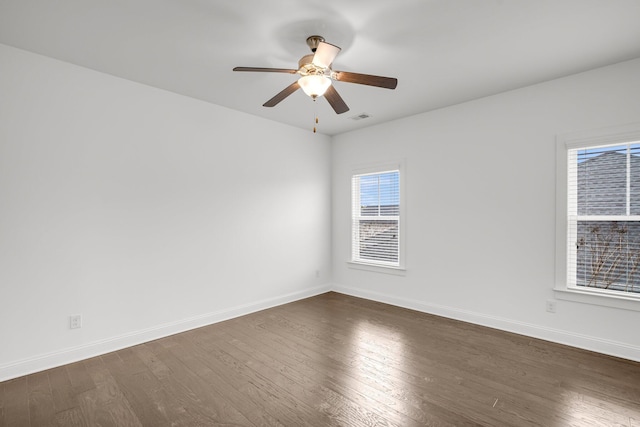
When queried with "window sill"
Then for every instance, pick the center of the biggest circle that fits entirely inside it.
(397, 271)
(595, 297)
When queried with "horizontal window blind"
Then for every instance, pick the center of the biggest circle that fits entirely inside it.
(603, 238)
(376, 218)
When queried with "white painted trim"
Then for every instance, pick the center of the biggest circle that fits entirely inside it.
(74, 354)
(399, 165)
(96, 348)
(613, 135)
(378, 167)
(606, 136)
(377, 268)
(612, 348)
(599, 297)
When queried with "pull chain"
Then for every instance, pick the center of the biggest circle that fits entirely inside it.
(315, 114)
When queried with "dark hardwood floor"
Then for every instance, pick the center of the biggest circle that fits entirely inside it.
(333, 360)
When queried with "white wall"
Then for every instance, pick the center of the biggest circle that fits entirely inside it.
(480, 199)
(149, 213)
(145, 211)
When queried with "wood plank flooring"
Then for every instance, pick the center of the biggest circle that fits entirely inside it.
(333, 360)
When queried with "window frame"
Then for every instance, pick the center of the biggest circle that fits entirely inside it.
(585, 139)
(381, 267)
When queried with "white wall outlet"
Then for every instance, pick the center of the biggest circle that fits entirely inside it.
(551, 306)
(75, 322)
(318, 273)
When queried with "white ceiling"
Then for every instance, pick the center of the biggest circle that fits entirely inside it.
(443, 52)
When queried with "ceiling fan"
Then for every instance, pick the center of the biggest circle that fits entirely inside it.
(317, 75)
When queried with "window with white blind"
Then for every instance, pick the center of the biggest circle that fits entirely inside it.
(602, 216)
(376, 218)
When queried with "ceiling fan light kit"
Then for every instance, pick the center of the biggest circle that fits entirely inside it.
(314, 85)
(316, 76)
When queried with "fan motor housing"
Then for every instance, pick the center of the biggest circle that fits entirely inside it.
(306, 67)
(305, 60)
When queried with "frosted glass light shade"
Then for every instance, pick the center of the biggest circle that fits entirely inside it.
(314, 85)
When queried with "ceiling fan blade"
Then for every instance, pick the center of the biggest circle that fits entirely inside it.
(335, 100)
(366, 79)
(266, 70)
(282, 95)
(325, 54)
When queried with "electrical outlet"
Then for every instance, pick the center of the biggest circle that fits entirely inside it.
(318, 273)
(551, 306)
(75, 322)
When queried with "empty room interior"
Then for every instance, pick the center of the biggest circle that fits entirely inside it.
(341, 213)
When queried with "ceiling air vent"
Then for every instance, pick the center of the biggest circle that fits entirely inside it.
(360, 116)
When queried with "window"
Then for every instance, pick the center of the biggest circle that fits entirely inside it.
(601, 179)
(376, 218)
(604, 217)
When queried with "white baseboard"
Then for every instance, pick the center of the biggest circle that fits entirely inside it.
(74, 354)
(85, 351)
(612, 348)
